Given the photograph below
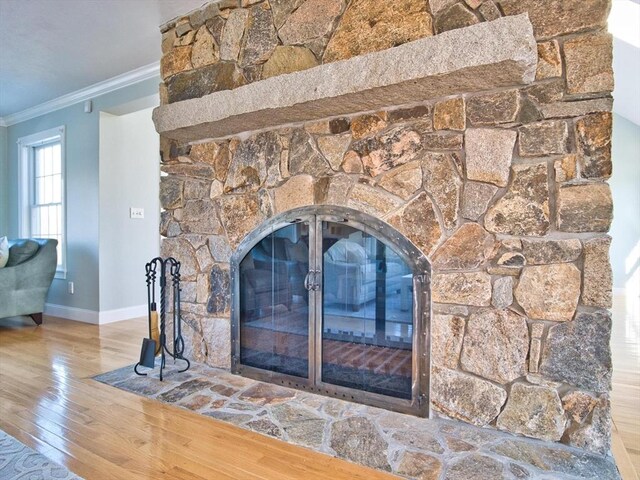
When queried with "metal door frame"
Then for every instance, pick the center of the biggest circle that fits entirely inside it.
(315, 215)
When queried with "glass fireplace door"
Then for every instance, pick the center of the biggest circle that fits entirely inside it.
(367, 315)
(274, 303)
(324, 304)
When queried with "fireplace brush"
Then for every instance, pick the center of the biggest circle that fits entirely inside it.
(157, 341)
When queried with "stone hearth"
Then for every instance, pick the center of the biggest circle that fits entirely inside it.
(393, 442)
(478, 130)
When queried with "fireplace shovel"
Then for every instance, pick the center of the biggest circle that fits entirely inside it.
(148, 353)
(151, 346)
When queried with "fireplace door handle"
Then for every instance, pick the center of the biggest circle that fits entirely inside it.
(315, 285)
(311, 280)
(307, 280)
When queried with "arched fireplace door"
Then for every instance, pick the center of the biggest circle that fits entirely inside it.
(336, 302)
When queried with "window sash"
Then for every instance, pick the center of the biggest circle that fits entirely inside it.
(42, 192)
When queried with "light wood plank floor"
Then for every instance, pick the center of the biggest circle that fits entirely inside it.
(49, 402)
(625, 396)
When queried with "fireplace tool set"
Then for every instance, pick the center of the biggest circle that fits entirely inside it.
(156, 344)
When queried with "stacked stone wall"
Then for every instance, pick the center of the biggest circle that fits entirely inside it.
(504, 191)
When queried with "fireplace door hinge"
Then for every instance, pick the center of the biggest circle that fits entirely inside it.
(422, 400)
(422, 278)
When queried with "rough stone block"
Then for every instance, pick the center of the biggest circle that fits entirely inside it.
(552, 18)
(541, 252)
(566, 169)
(465, 397)
(418, 222)
(524, 209)
(288, 59)
(358, 440)
(468, 248)
(493, 109)
(442, 182)
(403, 181)
(533, 411)
(205, 50)
(593, 138)
(579, 405)
(578, 352)
(502, 296)
(549, 292)
(449, 115)
(310, 22)
(489, 154)
(462, 288)
(597, 284)
(476, 198)
(585, 208)
(544, 138)
(333, 148)
(447, 332)
(456, 16)
(370, 26)
(239, 214)
(203, 81)
(260, 38)
(549, 60)
(232, 34)
(296, 192)
(596, 437)
(589, 60)
(495, 345)
(367, 125)
(419, 465)
(177, 60)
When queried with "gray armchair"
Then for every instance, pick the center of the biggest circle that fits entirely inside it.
(25, 280)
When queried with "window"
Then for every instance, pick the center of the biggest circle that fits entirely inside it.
(41, 190)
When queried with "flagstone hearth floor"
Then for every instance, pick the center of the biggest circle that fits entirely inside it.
(402, 444)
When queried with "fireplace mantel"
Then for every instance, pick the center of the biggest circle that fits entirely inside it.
(485, 56)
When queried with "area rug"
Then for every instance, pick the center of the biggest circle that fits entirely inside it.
(19, 462)
(401, 444)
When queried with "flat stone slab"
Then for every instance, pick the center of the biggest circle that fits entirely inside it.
(485, 56)
(405, 445)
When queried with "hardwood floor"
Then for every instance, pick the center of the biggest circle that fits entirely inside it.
(49, 402)
(625, 396)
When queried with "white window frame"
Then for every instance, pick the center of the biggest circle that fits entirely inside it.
(26, 185)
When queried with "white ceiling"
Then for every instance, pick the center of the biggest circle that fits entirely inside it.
(49, 48)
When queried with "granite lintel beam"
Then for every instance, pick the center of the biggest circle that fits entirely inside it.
(485, 56)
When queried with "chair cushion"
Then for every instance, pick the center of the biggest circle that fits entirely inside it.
(21, 251)
(4, 251)
(347, 251)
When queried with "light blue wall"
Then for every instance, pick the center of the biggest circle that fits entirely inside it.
(82, 187)
(4, 184)
(625, 187)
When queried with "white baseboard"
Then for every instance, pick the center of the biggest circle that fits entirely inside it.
(119, 314)
(93, 317)
(72, 313)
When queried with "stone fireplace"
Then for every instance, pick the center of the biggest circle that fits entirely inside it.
(457, 150)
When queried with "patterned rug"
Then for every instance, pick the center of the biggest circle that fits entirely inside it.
(19, 462)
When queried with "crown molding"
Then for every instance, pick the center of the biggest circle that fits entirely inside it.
(120, 81)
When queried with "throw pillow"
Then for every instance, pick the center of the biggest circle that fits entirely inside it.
(21, 251)
(4, 251)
